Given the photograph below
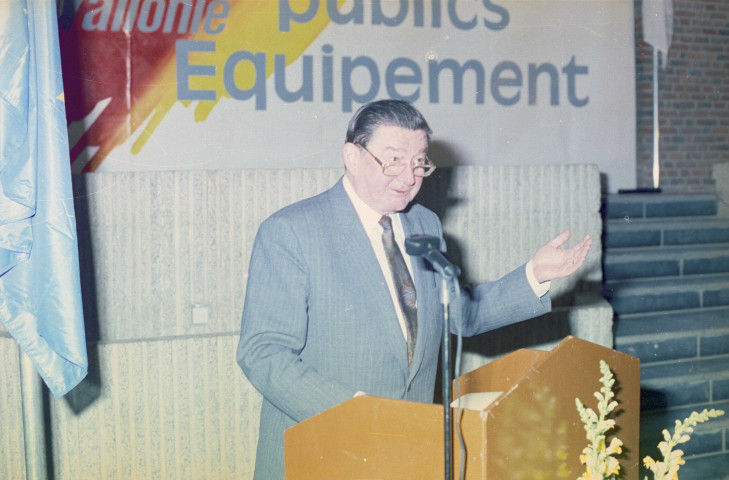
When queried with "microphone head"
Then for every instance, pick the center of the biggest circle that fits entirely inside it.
(421, 244)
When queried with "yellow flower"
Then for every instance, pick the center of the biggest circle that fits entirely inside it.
(673, 472)
(677, 457)
(614, 447)
(613, 467)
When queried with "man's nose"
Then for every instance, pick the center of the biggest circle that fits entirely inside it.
(408, 175)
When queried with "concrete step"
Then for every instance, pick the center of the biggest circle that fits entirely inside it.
(706, 467)
(648, 262)
(658, 205)
(665, 232)
(694, 322)
(666, 271)
(688, 371)
(686, 334)
(667, 294)
(690, 383)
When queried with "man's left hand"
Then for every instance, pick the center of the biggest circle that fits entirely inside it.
(552, 262)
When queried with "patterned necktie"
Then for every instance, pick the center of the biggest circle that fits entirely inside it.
(403, 284)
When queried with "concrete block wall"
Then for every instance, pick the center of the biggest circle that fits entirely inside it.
(163, 408)
(12, 448)
(161, 250)
(155, 246)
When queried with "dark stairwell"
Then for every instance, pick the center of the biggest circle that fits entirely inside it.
(666, 274)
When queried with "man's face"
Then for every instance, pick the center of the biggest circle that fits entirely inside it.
(386, 194)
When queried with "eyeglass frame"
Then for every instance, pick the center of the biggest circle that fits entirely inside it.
(385, 165)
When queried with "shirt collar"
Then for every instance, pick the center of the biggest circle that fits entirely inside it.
(367, 215)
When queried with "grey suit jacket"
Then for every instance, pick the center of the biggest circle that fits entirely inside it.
(319, 323)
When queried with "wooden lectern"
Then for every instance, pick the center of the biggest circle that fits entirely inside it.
(531, 431)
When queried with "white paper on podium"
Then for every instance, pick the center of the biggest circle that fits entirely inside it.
(476, 401)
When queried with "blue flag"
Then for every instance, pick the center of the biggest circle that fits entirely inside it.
(40, 288)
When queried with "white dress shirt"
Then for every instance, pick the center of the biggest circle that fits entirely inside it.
(370, 221)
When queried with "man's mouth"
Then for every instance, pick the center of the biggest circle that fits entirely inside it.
(399, 192)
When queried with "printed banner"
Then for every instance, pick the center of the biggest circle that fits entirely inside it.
(214, 84)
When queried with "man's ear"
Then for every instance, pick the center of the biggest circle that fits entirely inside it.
(351, 156)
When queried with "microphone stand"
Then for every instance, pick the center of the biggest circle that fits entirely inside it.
(428, 246)
(446, 372)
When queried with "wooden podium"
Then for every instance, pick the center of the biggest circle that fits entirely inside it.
(531, 431)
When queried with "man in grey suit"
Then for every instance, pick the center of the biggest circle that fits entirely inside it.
(324, 320)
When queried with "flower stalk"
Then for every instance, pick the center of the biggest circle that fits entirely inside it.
(598, 455)
(600, 464)
(673, 459)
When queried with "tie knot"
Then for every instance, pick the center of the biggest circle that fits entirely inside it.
(385, 222)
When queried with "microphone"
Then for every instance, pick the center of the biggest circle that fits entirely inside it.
(428, 246)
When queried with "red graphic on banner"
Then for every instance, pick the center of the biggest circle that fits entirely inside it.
(107, 58)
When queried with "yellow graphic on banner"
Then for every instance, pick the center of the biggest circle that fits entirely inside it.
(252, 25)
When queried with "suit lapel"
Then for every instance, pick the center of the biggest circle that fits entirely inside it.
(352, 239)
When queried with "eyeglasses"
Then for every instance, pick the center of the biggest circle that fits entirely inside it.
(422, 166)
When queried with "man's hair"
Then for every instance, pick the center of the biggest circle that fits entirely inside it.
(392, 113)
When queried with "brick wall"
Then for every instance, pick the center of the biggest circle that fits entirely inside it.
(693, 98)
